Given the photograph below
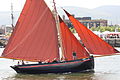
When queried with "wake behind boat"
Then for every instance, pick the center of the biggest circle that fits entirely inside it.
(35, 39)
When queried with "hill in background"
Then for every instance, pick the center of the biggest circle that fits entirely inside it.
(110, 13)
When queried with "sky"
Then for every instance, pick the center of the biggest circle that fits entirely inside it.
(5, 5)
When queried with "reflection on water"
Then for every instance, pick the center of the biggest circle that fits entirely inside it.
(106, 68)
(74, 76)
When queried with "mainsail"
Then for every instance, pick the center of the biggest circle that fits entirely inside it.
(92, 42)
(71, 44)
(35, 35)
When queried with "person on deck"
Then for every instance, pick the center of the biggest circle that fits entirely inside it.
(23, 62)
(74, 55)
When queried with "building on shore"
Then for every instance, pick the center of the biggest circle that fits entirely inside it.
(88, 22)
(5, 29)
(5, 33)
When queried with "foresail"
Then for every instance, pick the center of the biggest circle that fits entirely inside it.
(70, 43)
(92, 42)
(35, 35)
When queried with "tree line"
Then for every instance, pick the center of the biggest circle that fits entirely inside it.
(106, 28)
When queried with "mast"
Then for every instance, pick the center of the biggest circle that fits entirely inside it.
(12, 16)
(58, 29)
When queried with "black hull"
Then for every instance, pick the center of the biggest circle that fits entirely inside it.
(62, 67)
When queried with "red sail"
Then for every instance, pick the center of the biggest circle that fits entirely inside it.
(70, 43)
(35, 35)
(92, 42)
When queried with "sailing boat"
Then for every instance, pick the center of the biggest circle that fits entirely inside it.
(35, 39)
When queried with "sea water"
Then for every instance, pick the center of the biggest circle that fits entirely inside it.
(106, 68)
